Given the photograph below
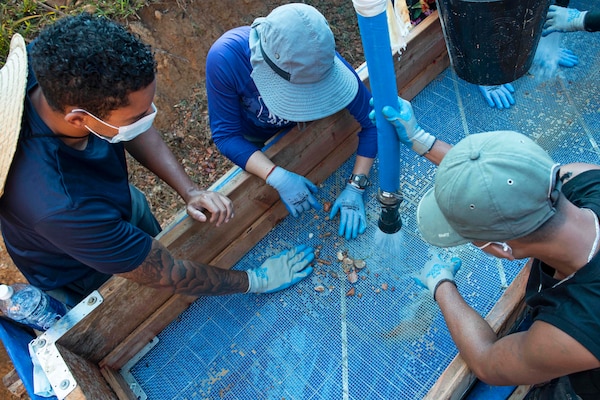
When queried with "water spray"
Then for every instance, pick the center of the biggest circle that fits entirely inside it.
(374, 32)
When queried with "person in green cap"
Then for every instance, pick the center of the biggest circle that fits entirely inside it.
(501, 192)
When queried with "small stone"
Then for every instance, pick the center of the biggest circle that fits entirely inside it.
(352, 277)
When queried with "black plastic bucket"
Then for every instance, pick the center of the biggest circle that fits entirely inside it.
(492, 42)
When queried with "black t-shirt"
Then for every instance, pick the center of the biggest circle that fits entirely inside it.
(572, 305)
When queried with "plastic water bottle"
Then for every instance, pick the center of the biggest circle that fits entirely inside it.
(30, 306)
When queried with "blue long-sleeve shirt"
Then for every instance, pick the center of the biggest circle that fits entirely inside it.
(237, 111)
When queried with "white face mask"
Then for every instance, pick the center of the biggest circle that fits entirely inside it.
(127, 132)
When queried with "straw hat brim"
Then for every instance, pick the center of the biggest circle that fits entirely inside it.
(13, 83)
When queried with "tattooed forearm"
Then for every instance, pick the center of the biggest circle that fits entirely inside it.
(160, 270)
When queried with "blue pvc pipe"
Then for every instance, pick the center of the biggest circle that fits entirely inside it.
(377, 48)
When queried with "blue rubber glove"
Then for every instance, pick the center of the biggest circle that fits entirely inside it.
(436, 271)
(281, 271)
(407, 128)
(353, 219)
(561, 19)
(567, 58)
(295, 191)
(499, 96)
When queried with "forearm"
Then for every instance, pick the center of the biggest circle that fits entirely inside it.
(362, 165)
(471, 333)
(150, 150)
(438, 151)
(160, 270)
(259, 164)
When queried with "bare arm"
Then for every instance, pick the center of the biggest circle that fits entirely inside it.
(362, 165)
(570, 171)
(161, 270)
(259, 164)
(438, 151)
(153, 153)
(534, 356)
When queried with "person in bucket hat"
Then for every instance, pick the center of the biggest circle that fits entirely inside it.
(69, 217)
(501, 192)
(280, 71)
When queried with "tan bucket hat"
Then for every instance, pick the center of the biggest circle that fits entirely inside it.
(13, 81)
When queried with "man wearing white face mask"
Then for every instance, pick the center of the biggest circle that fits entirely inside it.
(69, 217)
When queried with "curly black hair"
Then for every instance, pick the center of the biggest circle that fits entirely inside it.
(90, 62)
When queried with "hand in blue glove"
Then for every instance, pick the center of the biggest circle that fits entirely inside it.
(561, 19)
(408, 129)
(567, 58)
(353, 219)
(499, 96)
(295, 191)
(436, 271)
(281, 271)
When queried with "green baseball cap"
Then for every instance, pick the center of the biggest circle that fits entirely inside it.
(491, 186)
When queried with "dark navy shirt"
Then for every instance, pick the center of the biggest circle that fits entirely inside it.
(571, 306)
(66, 211)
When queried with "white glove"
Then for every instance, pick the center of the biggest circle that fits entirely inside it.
(561, 19)
(436, 271)
(281, 271)
(407, 127)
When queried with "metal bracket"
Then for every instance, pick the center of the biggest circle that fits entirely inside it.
(45, 349)
(125, 371)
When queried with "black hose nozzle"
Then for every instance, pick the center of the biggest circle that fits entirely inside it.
(390, 221)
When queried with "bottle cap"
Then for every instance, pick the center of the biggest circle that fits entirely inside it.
(6, 292)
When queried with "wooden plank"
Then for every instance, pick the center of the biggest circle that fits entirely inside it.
(458, 378)
(14, 384)
(126, 305)
(118, 383)
(520, 392)
(252, 196)
(226, 259)
(91, 385)
(144, 333)
(421, 80)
